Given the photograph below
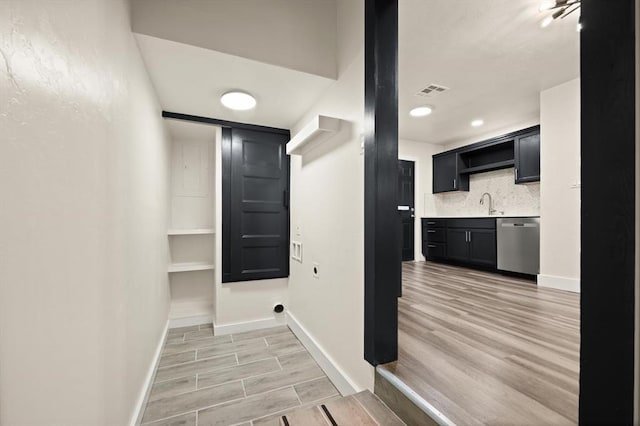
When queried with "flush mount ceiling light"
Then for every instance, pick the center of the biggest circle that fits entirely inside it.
(477, 123)
(237, 100)
(561, 8)
(421, 111)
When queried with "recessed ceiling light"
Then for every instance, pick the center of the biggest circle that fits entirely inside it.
(421, 111)
(477, 123)
(239, 101)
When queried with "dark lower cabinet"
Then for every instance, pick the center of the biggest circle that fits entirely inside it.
(457, 245)
(466, 241)
(482, 247)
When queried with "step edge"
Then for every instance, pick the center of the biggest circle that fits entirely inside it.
(416, 399)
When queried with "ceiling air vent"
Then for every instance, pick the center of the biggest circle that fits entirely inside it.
(432, 90)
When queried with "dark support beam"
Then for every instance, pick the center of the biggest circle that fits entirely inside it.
(607, 56)
(222, 123)
(382, 222)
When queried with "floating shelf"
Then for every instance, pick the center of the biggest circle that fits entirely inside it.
(202, 231)
(317, 131)
(187, 267)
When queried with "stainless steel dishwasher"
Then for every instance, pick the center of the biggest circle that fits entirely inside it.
(519, 244)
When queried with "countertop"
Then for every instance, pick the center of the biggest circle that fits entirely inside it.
(477, 216)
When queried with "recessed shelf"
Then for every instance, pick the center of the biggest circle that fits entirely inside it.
(488, 167)
(317, 131)
(192, 266)
(200, 231)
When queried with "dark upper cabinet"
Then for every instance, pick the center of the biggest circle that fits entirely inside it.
(446, 175)
(527, 158)
(520, 150)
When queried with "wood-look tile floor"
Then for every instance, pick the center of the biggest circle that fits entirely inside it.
(239, 379)
(484, 348)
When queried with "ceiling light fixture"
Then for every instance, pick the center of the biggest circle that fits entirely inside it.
(561, 8)
(237, 100)
(421, 111)
(477, 123)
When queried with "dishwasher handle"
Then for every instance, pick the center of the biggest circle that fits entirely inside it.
(519, 225)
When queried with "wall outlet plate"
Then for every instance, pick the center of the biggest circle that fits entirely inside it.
(316, 270)
(296, 251)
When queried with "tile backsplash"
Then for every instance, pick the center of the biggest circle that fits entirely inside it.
(513, 199)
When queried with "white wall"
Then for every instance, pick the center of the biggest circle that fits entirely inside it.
(421, 153)
(84, 180)
(296, 34)
(327, 198)
(559, 194)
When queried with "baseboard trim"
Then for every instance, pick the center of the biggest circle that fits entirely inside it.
(559, 283)
(340, 380)
(187, 321)
(240, 327)
(138, 412)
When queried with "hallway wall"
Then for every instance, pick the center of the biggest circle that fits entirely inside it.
(327, 216)
(84, 175)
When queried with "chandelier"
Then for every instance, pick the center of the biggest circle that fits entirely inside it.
(559, 9)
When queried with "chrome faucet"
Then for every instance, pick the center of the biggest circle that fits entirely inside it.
(491, 210)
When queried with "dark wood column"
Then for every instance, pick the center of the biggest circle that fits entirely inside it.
(607, 57)
(382, 222)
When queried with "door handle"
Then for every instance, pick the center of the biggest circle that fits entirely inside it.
(469, 236)
(403, 208)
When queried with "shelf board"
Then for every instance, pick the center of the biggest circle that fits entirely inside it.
(317, 131)
(193, 266)
(488, 167)
(199, 231)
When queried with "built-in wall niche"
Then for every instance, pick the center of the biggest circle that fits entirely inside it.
(191, 234)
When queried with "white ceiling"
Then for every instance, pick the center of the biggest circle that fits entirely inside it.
(190, 130)
(491, 53)
(296, 34)
(190, 80)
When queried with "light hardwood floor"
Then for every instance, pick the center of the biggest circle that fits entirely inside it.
(484, 348)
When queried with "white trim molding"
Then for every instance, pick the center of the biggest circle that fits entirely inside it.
(239, 327)
(338, 377)
(138, 409)
(559, 283)
(187, 321)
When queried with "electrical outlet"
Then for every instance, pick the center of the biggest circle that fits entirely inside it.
(316, 270)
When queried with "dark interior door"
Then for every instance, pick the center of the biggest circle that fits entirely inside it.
(256, 217)
(406, 184)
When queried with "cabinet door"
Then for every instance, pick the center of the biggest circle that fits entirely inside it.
(482, 247)
(527, 158)
(445, 173)
(457, 245)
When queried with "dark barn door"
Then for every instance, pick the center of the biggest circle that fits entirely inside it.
(406, 206)
(256, 223)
